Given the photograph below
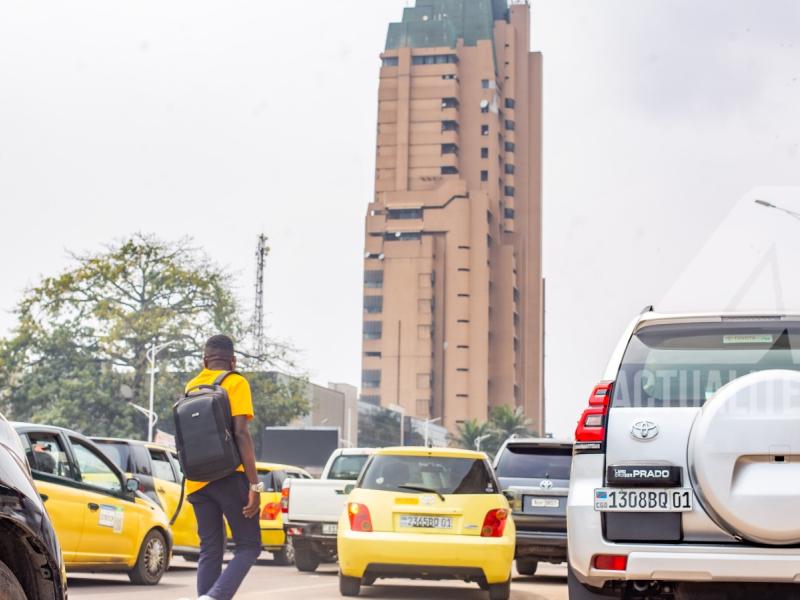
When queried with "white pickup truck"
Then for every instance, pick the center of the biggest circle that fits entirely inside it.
(312, 507)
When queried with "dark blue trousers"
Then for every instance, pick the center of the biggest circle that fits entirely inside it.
(224, 497)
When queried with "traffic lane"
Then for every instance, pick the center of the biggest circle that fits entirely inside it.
(266, 579)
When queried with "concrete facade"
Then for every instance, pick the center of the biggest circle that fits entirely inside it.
(453, 294)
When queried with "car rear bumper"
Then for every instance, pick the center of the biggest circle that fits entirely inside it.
(426, 555)
(542, 545)
(272, 538)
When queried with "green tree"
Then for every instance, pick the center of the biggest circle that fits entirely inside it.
(78, 353)
(468, 432)
(505, 422)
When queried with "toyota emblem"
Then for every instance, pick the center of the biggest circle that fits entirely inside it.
(644, 429)
(546, 484)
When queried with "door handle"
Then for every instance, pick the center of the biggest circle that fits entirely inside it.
(44, 497)
(161, 490)
(92, 506)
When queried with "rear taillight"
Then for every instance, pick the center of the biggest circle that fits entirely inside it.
(592, 424)
(494, 524)
(285, 499)
(271, 511)
(360, 519)
(610, 562)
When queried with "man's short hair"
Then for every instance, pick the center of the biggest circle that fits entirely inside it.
(219, 347)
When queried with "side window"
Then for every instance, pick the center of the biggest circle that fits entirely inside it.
(47, 455)
(95, 471)
(176, 464)
(141, 460)
(161, 466)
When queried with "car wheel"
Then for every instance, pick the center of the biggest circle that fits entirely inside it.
(305, 560)
(152, 561)
(191, 557)
(527, 567)
(285, 556)
(578, 591)
(369, 580)
(349, 586)
(10, 589)
(500, 591)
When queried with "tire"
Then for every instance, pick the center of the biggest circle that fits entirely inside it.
(153, 560)
(577, 591)
(305, 560)
(369, 580)
(526, 566)
(10, 589)
(349, 586)
(285, 556)
(500, 591)
(193, 558)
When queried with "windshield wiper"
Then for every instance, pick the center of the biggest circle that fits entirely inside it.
(419, 488)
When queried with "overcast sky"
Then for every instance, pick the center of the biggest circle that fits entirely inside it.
(224, 119)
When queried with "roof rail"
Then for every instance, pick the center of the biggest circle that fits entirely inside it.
(646, 309)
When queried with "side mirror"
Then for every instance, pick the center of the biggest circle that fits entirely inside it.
(349, 488)
(131, 485)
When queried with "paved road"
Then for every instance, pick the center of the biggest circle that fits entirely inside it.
(268, 581)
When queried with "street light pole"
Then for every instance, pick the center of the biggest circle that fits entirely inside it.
(427, 422)
(479, 439)
(151, 356)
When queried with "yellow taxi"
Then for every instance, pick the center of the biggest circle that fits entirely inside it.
(426, 513)
(158, 471)
(102, 521)
(273, 538)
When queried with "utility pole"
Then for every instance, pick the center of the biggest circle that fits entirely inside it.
(257, 328)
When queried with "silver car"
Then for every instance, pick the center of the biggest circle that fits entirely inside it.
(686, 475)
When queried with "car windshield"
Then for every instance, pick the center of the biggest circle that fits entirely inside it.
(117, 453)
(437, 474)
(347, 467)
(684, 365)
(531, 462)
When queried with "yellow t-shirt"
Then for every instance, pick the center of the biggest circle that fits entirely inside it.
(241, 404)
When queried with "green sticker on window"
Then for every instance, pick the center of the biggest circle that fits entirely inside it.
(763, 338)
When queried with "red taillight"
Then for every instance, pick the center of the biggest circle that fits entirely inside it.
(271, 511)
(592, 424)
(610, 562)
(494, 523)
(360, 519)
(285, 500)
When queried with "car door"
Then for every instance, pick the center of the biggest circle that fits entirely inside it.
(111, 527)
(57, 482)
(185, 527)
(168, 487)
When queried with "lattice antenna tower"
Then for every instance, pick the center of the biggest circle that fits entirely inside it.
(262, 251)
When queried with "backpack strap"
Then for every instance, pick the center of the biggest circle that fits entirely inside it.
(221, 377)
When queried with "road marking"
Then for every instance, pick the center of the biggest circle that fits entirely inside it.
(297, 588)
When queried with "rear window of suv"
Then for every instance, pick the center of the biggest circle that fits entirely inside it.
(532, 462)
(433, 474)
(684, 365)
(347, 466)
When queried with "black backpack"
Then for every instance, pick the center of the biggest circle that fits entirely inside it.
(204, 436)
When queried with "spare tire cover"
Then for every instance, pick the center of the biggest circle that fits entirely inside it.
(744, 457)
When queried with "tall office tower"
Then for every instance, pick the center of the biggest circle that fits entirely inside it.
(453, 290)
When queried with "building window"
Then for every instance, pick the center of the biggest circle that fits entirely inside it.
(449, 149)
(371, 399)
(448, 170)
(449, 102)
(373, 304)
(509, 169)
(516, 294)
(449, 125)
(372, 354)
(449, 76)
(485, 84)
(485, 107)
(404, 213)
(434, 59)
(391, 61)
(373, 279)
(484, 130)
(373, 330)
(510, 125)
(510, 103)
(510, 147)
(484, 175)
(484, 153)
(402, 236)
(509, 190)
(509, 213)
(371, 378)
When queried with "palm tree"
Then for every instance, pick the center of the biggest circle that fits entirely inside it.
(505, 422)
(468, 432)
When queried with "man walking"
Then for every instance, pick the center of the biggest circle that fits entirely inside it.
(236, 497)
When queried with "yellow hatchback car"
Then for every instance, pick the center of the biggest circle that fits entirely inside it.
(102, 521)
(427, 513)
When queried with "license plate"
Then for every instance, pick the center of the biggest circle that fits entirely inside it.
(643, 500)
(544, 503)
(425, 522)
(329, 528)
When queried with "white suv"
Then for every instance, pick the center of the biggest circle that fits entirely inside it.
(686, 475)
